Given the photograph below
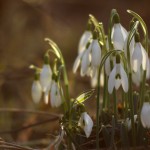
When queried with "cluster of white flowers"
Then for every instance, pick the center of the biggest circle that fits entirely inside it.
(90, 54)
(45, 83)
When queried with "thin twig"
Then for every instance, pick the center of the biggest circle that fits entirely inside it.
(11, 146)
(29, 126)
(29, 111)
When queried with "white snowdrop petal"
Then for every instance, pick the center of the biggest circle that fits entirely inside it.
(111, 80)
(84, 40)
(136, 77)
(94, 80)
(118, 36)
(77, 62)
(137, 57)
(36, 91)
(45, 77)
(85, 63)
(55, 97)
(145, 118)
(124, 32)
(124, 79)
(144, 58)
(58, 99)
(88, 124)
(96, 53)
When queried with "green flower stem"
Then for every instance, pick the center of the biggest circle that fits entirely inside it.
(142, 90)
(130, 99)
(98, 115)
(115, 103)
(105, 91)
(130, 95)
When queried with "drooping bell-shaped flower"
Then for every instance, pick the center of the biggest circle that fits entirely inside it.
(119, 34)
(145, 115)
(36, 90)
(86, 123)
(117, 77)
(46, 74)
(139, 56)
(84, 59)
(86, 36)
(55, 97)
(95, 51)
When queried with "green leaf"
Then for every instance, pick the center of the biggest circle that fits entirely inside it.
(84, 96)
(124, 137)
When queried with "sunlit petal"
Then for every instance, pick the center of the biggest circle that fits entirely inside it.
(144, 58)
(45, 76)
(84, 40)
(118, 36)
(88, 124)
(77, 62)
(137, 57)
(145, 117)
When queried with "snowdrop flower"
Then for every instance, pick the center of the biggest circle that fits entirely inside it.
(139, 57)
(46, 75)
(46, 94)
(136, 77)
(119, 34)
(145, 115)
(95, 51)
(55, 97)
(86, 123)
(86, 36)
(117, 77)
(128, 122)
(83, 58)
(36, 91)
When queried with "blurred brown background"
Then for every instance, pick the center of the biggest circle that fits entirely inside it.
(25, 23)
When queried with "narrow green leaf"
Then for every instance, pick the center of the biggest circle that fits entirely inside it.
(84, 96)
(124, 137)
